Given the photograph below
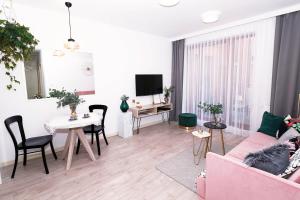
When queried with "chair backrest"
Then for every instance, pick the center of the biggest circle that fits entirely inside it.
(99, 107)
(15, 119)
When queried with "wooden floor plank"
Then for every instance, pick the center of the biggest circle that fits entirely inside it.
(125, 170)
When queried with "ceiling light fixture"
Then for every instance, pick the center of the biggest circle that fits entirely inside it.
(71, 44)
(211, 16)
(168, 3)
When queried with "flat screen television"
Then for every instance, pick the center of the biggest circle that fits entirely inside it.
(148, 84)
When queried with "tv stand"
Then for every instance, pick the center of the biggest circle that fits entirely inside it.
(150, 110)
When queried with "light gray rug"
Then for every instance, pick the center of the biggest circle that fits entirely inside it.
(182, 168)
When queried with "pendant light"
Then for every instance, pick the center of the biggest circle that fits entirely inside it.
(71, 44)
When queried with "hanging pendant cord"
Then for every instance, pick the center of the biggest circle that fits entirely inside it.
(70, 23)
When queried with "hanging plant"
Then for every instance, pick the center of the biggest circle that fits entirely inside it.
(17, 44)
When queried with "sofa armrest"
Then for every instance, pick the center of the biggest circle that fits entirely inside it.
(227, 178)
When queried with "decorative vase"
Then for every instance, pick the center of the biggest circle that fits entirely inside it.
(73, 111)
(216, 120)
(124, 106)
(166, 99)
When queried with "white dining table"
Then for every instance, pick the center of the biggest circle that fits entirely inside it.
(75, 130)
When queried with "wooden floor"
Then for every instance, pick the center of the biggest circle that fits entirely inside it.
(125, 170)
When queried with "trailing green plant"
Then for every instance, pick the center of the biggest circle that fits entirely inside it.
(168, 91)
(17, 44)
(65, 98)
(124, 97)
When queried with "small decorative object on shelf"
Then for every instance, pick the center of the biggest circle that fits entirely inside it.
(214, 109)
(67, 98)
(167, 93)
(124, 105)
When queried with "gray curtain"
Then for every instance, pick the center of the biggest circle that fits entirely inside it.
(177, 77)
(286, 69)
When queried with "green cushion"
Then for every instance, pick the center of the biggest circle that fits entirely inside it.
(270, 124)
(187, 119)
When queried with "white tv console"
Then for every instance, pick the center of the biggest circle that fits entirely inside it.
(150, 110)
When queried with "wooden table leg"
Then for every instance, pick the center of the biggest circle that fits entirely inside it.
(222, 140)
(66, 148)
(73, 138)
(206, 146)
(85, 143)
(211, 137)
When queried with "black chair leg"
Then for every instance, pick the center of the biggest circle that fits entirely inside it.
(103, 132)
(98, 144)
(78, 146)
(15, 165)
(25, 156)
(53, 151)
(44, 160)
(92, 135)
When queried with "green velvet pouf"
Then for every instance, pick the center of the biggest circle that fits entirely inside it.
(187, 120)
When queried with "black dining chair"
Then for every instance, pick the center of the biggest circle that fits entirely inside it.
(93, 129)
(27, 143)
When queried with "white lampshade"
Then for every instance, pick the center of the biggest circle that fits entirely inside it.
(211, 16)
(71, 45)
(168, 3)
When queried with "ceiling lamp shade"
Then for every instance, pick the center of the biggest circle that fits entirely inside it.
(211, 16)
(168, 3)
(71, 44)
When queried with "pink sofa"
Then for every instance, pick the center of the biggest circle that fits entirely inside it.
(229, 179)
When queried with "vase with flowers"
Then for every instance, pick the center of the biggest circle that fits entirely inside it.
(167, 93)
(67, 98)
(124, 105)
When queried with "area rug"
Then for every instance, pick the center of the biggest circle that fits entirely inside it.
(182, 168)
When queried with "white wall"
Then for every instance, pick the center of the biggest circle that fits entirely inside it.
(118, 55)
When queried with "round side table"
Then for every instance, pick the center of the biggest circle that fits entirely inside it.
(211, 126)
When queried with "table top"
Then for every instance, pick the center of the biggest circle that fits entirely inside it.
(63, 122)
(212, 125)
(201, 134)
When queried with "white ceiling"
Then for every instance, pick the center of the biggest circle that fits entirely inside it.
(148, 16)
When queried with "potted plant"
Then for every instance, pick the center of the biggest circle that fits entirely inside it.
(67, 98)
(167, 93)
(17, 44)
(214, 109)
(124, 105)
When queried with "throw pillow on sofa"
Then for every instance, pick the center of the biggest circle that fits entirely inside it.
(293, 166)
(289, 134)
(274, 159)
(295, 144)
(271, 124)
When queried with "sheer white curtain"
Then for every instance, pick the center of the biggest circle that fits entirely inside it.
(232, 67)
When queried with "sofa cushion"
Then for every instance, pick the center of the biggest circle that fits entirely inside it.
(293, 166)
(255, 142)
(270, 124)
(295, 177)
(290, 134)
